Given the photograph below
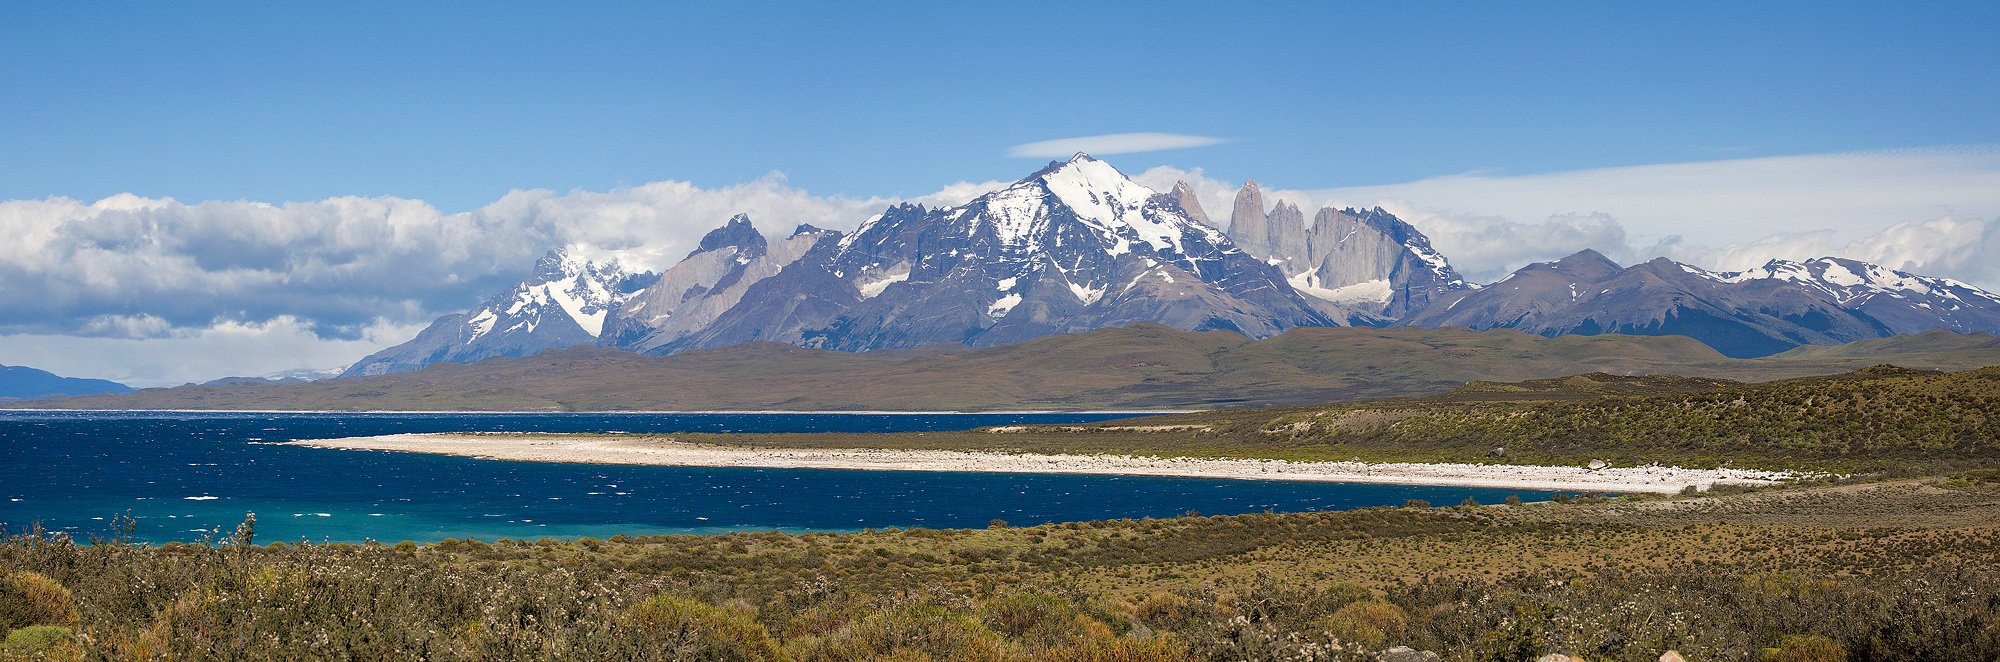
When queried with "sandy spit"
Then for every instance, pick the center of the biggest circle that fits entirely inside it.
(636, 449)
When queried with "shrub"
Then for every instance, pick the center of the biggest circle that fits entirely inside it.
(1120, 649)
(682, 629)
(915, 632)
(1369, 622)
(1806, 648)
(1022, 613)
(28, 598)
(1168, 610)
(1513, 499)
(1416, 503)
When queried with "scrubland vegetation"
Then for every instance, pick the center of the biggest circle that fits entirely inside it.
(1907, 570)
(1859, 568)
(1881, 420)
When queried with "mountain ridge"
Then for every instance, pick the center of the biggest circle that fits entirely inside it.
(1141, 366)
(19, 383)
(1077, 246)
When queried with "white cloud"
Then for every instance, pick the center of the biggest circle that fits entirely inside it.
(1932, 211)
(96, 286)
(155, 291)
(132, 267)
(197, 355)
(1110, 143)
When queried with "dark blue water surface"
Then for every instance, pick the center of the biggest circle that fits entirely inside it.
(181, 475)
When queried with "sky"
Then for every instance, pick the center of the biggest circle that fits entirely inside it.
(194, 191)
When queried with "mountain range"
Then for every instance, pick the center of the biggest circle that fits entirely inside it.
(1078, 246)
(25, 383)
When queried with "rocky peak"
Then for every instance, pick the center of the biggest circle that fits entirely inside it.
(1586, 264)
(1247, 224)
(1286, 231)
(738, 233)
(1090, 185)
(1183, 195)
(806, 228)
(561, 264)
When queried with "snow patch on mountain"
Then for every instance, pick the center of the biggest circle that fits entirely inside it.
(1005, 304)
(1086, 294)
(876, 283)
(1852, 281)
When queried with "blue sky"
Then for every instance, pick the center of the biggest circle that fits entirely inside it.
(189, 191)
(456, 103)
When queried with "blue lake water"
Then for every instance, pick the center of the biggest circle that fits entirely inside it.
(181, 475)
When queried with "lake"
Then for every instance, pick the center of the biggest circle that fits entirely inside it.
(183, 475)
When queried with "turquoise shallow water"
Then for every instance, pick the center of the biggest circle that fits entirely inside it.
(182, 475)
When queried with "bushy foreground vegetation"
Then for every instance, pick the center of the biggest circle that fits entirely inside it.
(1887, 572)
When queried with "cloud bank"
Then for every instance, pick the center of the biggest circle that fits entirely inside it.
(1111, 143)
(155, 291)
(1931, 211)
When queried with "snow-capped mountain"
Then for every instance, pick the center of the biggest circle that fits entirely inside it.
(1589, 294)
(708, 282)
(1078, 246)
(564, 302)
(305, 374)
(1075, 246)
(1362, 259)
(1905, 302)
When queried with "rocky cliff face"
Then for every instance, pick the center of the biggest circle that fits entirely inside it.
(1247, 224)
(704, 285)
(1184, 196)
(1372, 256)
(1364, 260)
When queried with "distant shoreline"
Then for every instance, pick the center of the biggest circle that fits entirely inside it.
(912, 412)
(663, 451)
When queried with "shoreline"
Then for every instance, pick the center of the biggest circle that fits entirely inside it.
(663, 451)
(842, 412)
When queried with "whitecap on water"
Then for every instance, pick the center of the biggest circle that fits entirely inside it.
(202, 498)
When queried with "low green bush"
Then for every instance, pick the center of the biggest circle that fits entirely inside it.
(28, 599)
(1372, 623)
(40, 641)
(682, 629)
(1806, 648)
